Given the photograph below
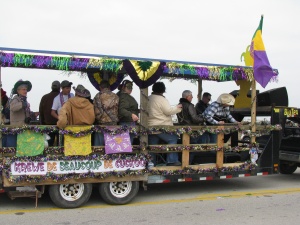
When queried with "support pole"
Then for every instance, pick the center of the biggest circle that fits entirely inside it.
(220, 145)
(185, 152)
(144, 114)
(200, 89)
(253, 110)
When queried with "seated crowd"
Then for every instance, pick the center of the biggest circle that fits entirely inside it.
(62, 108)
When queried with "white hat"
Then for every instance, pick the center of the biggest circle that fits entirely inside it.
(227, 99)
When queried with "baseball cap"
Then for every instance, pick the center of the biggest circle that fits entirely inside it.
(55, 84)
(66, 83)
(126, 83)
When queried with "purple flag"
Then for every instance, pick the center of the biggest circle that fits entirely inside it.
(263, 72)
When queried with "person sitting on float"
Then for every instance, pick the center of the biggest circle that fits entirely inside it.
(128, 107)
(19, 109)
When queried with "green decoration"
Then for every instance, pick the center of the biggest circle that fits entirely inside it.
(21, 59)
(30, 143)
(145, 65)
(108, 64)
(61, 63)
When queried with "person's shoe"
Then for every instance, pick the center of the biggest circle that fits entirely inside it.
(174, 164)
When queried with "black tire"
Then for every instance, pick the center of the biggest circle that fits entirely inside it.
(118, 193)
(287, 167)
(70, 195)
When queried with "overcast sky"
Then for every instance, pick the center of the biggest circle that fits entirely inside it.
(214, 31)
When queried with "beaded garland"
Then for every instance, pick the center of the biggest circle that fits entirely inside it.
(170, 130)
(72, 63)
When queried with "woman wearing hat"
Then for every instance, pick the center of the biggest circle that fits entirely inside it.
(19, 108)
(128, 106)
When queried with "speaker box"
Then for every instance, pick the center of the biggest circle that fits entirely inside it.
(277, 96)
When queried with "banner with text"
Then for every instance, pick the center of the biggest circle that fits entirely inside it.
(76, 166)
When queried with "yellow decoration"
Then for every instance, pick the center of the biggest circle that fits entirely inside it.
(242, 101)
(97, 77)
(112, 78)
(96, 63)
(145, 75)
(119, 140)
(247, 57)
(77, 145)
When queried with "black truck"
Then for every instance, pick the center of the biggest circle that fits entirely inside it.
(273, 104)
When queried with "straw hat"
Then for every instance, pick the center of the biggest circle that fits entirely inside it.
(227, 99)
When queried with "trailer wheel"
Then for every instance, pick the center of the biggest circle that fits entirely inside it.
(118, 193)
(70, 195)
(287, 167)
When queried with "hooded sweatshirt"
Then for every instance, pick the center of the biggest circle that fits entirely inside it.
(76, 111)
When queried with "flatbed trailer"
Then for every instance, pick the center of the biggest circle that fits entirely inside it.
(69, 179)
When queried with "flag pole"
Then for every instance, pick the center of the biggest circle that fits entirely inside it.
(253, 110)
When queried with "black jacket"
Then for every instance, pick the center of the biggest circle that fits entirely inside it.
(45, 108)
(188, 115)
(200, 107)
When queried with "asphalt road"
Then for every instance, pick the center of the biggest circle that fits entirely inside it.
(273, 199)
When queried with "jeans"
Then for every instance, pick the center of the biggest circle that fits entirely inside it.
(9, 140)
(153, 139)
(208, 138)
(129, 124)
(98, 139)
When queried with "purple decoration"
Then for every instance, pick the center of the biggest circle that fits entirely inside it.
(118, 143)
(203, 72)
(220, 209)
(238, 74)
(42, 61)
(78, 63)
(7, 59)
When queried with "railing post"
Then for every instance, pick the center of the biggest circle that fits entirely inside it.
(220, 144)
(144, 117)
(185, 152)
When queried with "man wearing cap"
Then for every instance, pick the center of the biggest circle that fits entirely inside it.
(45, 109)
(218, 112)
(78, 110)
(128, 106)
(61, 98)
